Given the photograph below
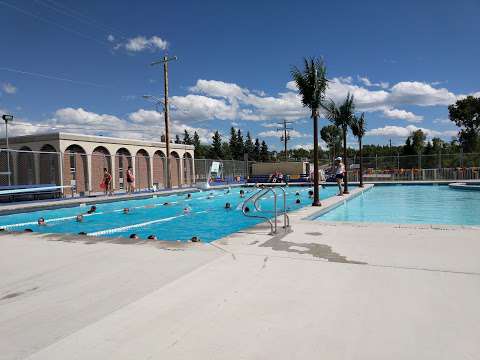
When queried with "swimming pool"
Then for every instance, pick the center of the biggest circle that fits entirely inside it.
(207, 219)
(410, 204)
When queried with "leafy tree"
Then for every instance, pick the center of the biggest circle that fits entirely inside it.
(196, 140)
(465, 114)
(226, 151)
(342, 116)
(216, 149)
(177, 139)
(249, 147)
(187, 140)
(256, 150)
(264, 151)
(418, 138)
(312, 82)
(358, 127)
(332, 135)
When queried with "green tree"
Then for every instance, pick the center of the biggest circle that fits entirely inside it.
(187, 140)
(332, 135)
(216, 150)
(232, 142)
(177, 139)
(256, 150)
(358, 127)
(239, 150)
(312, 83)
(249, 146)
(465, 114)
(342, 116)
(264, 156)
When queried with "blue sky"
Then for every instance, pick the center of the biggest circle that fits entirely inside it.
(404, 61)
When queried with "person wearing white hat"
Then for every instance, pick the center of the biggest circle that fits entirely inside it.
(339, 173)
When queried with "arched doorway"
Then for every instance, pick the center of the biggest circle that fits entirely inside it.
(174, 168)
(159, 163)
(25, 166)
(142, 170)
(187, 168)
(100, 159)
(75, 169)
(49, 165)
(123, 159)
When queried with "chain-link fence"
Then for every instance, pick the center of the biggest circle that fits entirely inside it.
(226, 171)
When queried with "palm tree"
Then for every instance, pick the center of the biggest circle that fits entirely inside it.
(358, 127)
(342, 117)
(312, 83)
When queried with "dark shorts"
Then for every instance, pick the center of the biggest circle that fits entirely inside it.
(339, 176)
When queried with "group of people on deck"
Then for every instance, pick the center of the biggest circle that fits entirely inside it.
(106, 183)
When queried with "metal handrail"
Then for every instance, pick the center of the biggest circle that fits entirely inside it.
(256, 196)
(286, 218)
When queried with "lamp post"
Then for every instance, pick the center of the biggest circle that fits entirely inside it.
(157, 101)
(7, 118)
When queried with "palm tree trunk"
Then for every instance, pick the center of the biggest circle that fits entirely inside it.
(316, 195)
(345, 161)
(361, 160)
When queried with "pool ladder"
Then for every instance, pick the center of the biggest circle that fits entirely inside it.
(257, 196)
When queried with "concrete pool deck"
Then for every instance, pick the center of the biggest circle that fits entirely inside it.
(322, 290)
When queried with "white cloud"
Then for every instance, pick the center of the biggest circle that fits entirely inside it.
(9, 88)
(272, 133)
(403, 132)
(366, 81)
(402, 115)
(442, 121)
(420, 94)
(141, 43)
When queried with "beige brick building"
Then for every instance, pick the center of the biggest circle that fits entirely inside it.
(78, 160)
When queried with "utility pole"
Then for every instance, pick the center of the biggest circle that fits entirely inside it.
(285, 137)
(165, 60)
(7, 118)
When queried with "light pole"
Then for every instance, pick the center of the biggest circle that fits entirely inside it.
(7, 118)
(165, 60)
(157, 101)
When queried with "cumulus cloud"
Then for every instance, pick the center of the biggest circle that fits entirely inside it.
(420, 94)
(272, 133)
(140, 43)
(366, 81)
(9, 88)
(403, 132)
(402, 115)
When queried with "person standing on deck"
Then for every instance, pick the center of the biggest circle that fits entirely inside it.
(107, 182)
(339, 174)
(130, 180)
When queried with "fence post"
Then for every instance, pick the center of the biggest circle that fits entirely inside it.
(376, 161)
(60, 158)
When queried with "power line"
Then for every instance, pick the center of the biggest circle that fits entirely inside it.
(51, 22)
(86, 19)
(51, 77)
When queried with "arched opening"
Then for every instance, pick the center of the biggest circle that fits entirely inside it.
(142, 170)
(100, 159)
(25, 166)
(75, 169)
(174, 167)
(123, 159)
(187, 168)
(49, 165)
(159, 163)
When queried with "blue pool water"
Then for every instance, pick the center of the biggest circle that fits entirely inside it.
(410, 204)
(207, 219)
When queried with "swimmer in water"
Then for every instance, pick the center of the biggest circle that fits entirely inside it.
(310, 193)
(152, 237)
(195, 239)
(79, 218)
(93, 208)
(297, 194)
(166, 203)
(228, 206)
(41, 222)
(133, 236)
(242, 193)
(126, 211)
(297, 201)
(189, 196)
(246, 209)
(186, 211)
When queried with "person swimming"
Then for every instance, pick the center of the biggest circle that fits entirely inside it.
(92, 209)
(228, 206)
(126, 210)
(246, 209)
(152, 237)
(41, 222)
(189, 196)
(242, 193)
(310, 193)
(166, 203)
(297, 194)
(186, 210)
(195, 239)
(79, 218)
(297, 201)
(133, 236)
